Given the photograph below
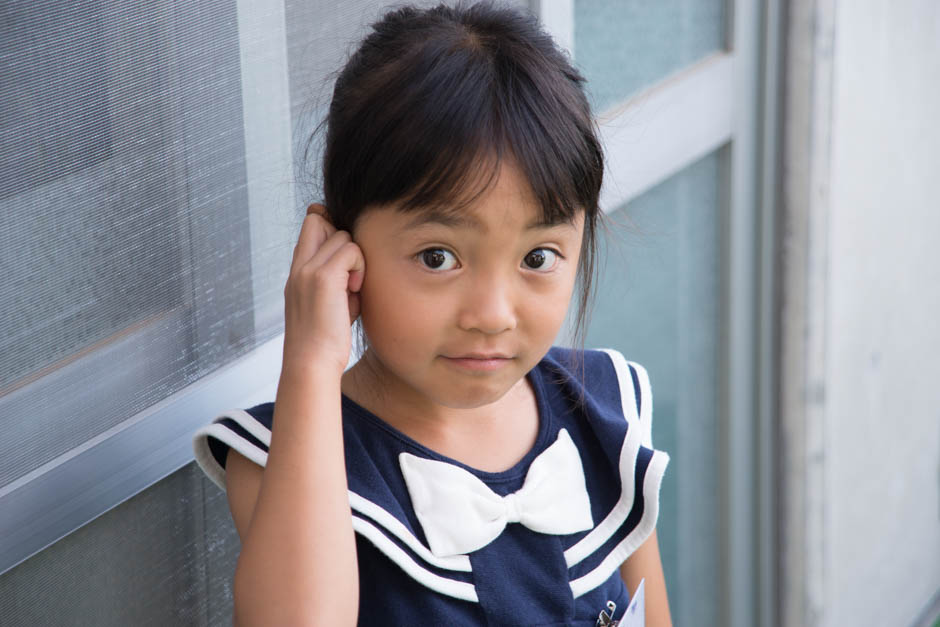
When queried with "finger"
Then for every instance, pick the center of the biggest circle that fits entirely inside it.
(353, 303)
(313, 232)
(329, 248)
(318, 209)
(354, 286)
(355, 280)
(346, 257)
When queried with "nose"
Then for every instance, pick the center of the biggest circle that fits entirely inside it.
(488, 306)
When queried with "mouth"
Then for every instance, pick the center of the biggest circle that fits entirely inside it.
(480, 362)
(483, 356)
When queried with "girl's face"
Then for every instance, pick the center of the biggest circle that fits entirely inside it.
(458, 310)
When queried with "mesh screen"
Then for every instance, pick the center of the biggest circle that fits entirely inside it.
(165, 557)
(152, 184)
(127, 187)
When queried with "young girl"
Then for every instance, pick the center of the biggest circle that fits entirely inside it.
(463, 471)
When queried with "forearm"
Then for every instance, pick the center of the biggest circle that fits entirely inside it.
(645, 563)
(298, 562)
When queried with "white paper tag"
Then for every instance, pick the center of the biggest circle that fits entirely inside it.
(635, 616)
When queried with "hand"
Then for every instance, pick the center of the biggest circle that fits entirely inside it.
(321, 296)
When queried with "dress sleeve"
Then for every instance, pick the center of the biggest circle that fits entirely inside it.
(248, 431)
(620, 390)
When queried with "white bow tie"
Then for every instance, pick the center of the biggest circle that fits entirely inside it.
(460, 514)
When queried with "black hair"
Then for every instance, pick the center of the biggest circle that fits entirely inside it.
(434, 99)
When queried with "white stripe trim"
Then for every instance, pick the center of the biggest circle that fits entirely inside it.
(636, 537)
(450, 587)
(625, 381)
(398, 529)
(602, 532)
(249, 423)
(646, 403)
(220, 432)
(217, 473)
(356, 502)
(638, 434)
(628, 394)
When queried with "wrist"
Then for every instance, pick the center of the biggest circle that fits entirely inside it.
(309, 368)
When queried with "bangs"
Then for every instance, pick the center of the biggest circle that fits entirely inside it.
(431, 130)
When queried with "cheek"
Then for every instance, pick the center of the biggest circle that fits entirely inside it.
(547, 312)
(549, 303)
(396, 317)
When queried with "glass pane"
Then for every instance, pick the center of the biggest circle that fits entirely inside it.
(658, 303)
(623, 46)
(122, 214)
(68, 234)
(165, 557)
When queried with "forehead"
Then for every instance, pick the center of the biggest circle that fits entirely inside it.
(508, 201)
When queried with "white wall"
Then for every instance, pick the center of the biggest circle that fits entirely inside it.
(882, 512)
(860, 304)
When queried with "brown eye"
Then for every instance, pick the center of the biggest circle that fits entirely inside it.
(543, 259)
(437, 259)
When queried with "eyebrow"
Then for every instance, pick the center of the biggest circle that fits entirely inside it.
(452, 219)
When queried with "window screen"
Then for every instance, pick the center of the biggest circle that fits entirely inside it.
(124, 214)
(152, 185)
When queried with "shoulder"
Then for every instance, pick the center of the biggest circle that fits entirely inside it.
(248, 431)
(611, 425)
(605, 381)
(589, 363)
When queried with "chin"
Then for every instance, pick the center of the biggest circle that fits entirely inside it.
(471, 395)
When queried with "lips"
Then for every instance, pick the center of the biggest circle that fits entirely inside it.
(478, 362)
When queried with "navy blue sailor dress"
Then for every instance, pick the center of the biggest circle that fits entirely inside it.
(521, 576)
